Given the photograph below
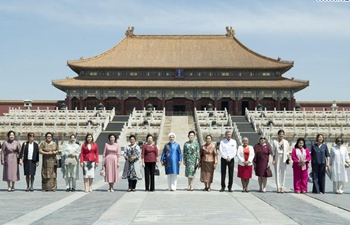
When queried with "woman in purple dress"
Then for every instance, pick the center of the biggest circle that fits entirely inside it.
(111, 155)
(9, 159)
(261, 162)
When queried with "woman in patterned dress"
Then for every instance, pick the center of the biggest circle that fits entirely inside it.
(132, 167)
(208, 162)
(191, 158)
(48, 149)
(9, 156)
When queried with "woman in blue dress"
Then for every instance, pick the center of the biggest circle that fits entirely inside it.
(171, 160)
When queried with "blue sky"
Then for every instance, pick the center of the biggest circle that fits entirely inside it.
(38, 37)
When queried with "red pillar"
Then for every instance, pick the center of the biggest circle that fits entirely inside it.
(81, 103)
(215, 103)
(68, 103)
(143, 103)
(122, 106)
(290, 104)
(256, 102)
(103, 102)
(235, 107)
(163, 103)
(293, 103)
(278, 107)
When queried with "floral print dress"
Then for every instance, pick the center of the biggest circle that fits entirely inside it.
(191, 155)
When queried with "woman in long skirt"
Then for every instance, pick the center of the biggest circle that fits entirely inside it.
(49, 149)
(208, 162)
(339, 162)
(111, 155)
(9, 159)
(29, 158)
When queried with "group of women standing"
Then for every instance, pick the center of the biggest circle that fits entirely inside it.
(333, 162)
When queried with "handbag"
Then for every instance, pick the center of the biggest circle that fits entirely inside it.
(288, 161)
(268, 172)
(309, 178)
(70, 161)
(103, 172)
(58, 163)
(347, 165)
(156, 172)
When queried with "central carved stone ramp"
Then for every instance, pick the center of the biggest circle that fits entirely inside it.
(180, 125)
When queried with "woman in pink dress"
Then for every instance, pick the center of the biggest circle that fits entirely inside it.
(245, 154)
(9, 159)
(301, 158)
(111, 156)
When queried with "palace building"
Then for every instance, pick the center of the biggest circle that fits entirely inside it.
(180, 73)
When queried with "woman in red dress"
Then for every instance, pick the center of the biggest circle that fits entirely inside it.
(245, 154)
(89, 161)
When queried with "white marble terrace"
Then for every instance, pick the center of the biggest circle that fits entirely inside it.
(215, 123)
(141, 123)
(60, 122)
(307, 124)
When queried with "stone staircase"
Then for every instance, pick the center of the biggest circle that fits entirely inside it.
(246, 129)
(114, 127)
(164, 138)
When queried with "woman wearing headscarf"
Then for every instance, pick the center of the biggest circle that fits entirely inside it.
(9, 159)
(29, 158)
(171, 159)
(70, 163)
(191, 158)
(339, 162)
(301, 158)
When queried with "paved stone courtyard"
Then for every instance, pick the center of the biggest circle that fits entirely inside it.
(164, 207)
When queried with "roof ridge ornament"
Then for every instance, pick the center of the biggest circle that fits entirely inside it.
(230, 32)
(130, 32)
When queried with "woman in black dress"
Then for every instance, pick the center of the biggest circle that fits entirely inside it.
(29, 158)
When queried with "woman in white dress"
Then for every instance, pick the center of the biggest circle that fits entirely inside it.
(280, 152)
(339, 161)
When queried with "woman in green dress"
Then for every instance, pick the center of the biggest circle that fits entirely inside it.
(191, 158)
